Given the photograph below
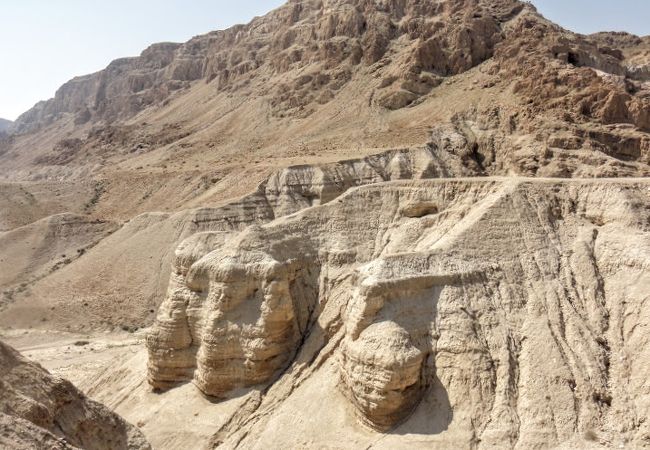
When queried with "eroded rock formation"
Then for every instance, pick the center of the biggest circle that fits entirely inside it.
(469, 284)
(268, 345)
(348, 34)
(528, 97)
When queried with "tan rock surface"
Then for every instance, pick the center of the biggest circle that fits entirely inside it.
(126, 259)
(469, 301)
(310, 82)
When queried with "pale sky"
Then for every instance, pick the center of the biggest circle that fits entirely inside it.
(44, 43)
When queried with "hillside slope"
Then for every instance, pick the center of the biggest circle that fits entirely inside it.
(489, 87)
(318, 80)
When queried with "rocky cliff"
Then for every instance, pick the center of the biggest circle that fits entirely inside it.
(313, 46)
(69, 251)
(524, 95)
(459, 292)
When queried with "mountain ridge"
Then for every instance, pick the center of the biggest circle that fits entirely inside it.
(289, 70)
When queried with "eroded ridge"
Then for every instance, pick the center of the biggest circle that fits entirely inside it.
(387, 357)
(431, 302)
(176, 338)
(235, 290)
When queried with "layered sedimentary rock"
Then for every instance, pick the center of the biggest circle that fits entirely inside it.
(38, 410)
(573, 92)
(145, 244)
(285, 192)
(461, 312)
(298, 187)
(388, 355)
(457, 286)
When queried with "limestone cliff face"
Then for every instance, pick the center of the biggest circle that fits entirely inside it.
(38, 410)
(307, 50)
(125, 87)
(526, 96)
(481, 285)
(317, 47)
(326, 40)
(267, 346)
(456, 291)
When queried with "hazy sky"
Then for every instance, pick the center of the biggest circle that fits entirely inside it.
(44, 43)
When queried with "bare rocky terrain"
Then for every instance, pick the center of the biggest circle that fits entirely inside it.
(346, 224)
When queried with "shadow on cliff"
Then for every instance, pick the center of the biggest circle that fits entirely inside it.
(432, 416)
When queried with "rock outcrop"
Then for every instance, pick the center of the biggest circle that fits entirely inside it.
(530, 98)
(474, 295)
(38, 410)
(284, 193)
(149, 241)
(437, 39)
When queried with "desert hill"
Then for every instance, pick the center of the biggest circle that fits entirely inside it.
(426, 219)
(509, 93)
(567, 104)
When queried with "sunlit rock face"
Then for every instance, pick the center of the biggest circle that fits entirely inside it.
(39, 410)
(382, 356)
(236, 322)
(387, 357)
(382, 373)
(208, 321)
(447, 295)
(257, 311)
(239, 314)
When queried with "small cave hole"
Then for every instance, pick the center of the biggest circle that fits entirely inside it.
(418, 210)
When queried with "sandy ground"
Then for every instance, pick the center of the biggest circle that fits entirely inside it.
(70, 355)
(111, 368)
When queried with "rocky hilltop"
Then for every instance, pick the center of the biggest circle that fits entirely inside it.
(348, 224)
(447, 298)
(517, 93)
